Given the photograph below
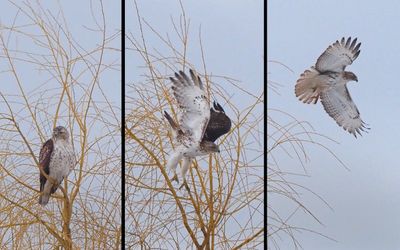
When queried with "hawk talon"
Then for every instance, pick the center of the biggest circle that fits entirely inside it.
(175, 178)
(184, 184)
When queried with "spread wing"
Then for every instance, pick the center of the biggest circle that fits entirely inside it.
(193, 103)
(44, 160)
(338, 55)
(339, 105)
(218, 125)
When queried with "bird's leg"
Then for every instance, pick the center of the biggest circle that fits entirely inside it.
(185, 167)
(172, 164)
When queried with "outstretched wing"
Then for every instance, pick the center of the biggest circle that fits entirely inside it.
(218, 125)
(193, 102)
(338, 55)
(338, 104)
(44, 161)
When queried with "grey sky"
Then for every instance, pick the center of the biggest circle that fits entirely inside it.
(231, 34)
(366, 199)
(79, 20)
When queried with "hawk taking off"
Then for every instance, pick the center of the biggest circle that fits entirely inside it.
(199, 125)
(327, 80)
(56, 159)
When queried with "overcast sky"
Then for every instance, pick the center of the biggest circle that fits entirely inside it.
(232, 36)
(81, 24)
(366, 199)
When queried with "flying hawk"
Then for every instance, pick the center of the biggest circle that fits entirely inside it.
(199, 125)
(56, 159)
(327, 80)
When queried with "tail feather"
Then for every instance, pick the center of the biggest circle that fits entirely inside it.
(44, 199)
(47, 189)
(306, 88)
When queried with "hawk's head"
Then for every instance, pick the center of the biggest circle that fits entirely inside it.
(350, 76)
(60, 132)
(209, 147)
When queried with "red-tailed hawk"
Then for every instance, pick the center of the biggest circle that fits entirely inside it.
(56, 159)
(327, 80)
(199, 125)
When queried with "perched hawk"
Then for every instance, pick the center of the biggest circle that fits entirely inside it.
(56, 159)
(327, 80)
(199, 125)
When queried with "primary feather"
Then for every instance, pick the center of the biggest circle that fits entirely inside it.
(194, 104)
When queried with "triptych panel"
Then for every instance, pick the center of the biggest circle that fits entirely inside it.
(133, 125)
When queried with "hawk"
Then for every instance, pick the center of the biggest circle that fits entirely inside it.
(199, 125)
(327, 80)
(56, 159)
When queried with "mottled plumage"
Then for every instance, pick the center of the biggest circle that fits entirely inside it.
(199, 125)
(327, 80)
(56, 159)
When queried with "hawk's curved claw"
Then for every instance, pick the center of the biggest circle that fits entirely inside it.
(184, 184)
(175, 178)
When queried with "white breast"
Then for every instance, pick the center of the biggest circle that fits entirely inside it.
(62, 160)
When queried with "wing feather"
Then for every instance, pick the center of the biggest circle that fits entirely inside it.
(44, 161)
(338, 55)
(218, 125)
(193, 103)
(338, 104)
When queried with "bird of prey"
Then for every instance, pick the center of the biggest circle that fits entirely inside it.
(56, 159)
(327, 80)
(199, 125)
